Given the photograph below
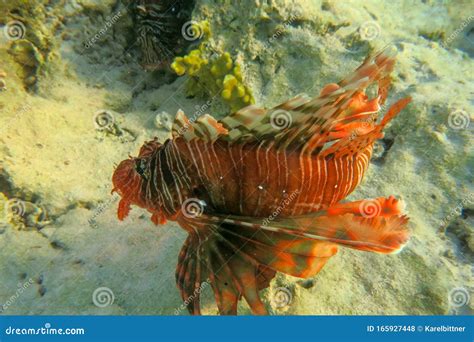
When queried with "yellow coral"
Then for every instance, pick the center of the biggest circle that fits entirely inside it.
(178, 66)
(205, 29)
(189, 64)
(212, 75)
(235, 92)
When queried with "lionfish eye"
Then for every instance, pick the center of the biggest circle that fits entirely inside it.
(141, 168)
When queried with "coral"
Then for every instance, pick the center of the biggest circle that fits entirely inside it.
(190, 64)
(212, 75)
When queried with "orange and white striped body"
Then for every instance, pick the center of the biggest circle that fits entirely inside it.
(253, 179)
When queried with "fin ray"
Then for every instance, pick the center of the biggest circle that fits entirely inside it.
(308, 123)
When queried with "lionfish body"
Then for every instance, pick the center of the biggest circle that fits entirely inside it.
(257, 198)
(158, 26)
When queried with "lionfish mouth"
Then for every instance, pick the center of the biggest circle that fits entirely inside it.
(124, 178)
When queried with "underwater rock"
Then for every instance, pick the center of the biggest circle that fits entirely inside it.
(163, 121)
(381, 148)
(306, 283)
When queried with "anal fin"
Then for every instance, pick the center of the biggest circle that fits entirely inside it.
(240, 260)
(240, 255)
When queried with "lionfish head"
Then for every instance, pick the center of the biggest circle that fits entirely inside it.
(130, 174)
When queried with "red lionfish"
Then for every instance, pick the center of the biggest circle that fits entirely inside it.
(223, 181)
(159, 25)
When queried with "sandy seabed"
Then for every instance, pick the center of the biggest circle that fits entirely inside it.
(54, 159)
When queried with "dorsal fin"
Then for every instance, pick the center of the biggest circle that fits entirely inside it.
(205, 128)
(254, 123)
(340, 103)
(364, 135)
(310, 123)
(304, 123)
